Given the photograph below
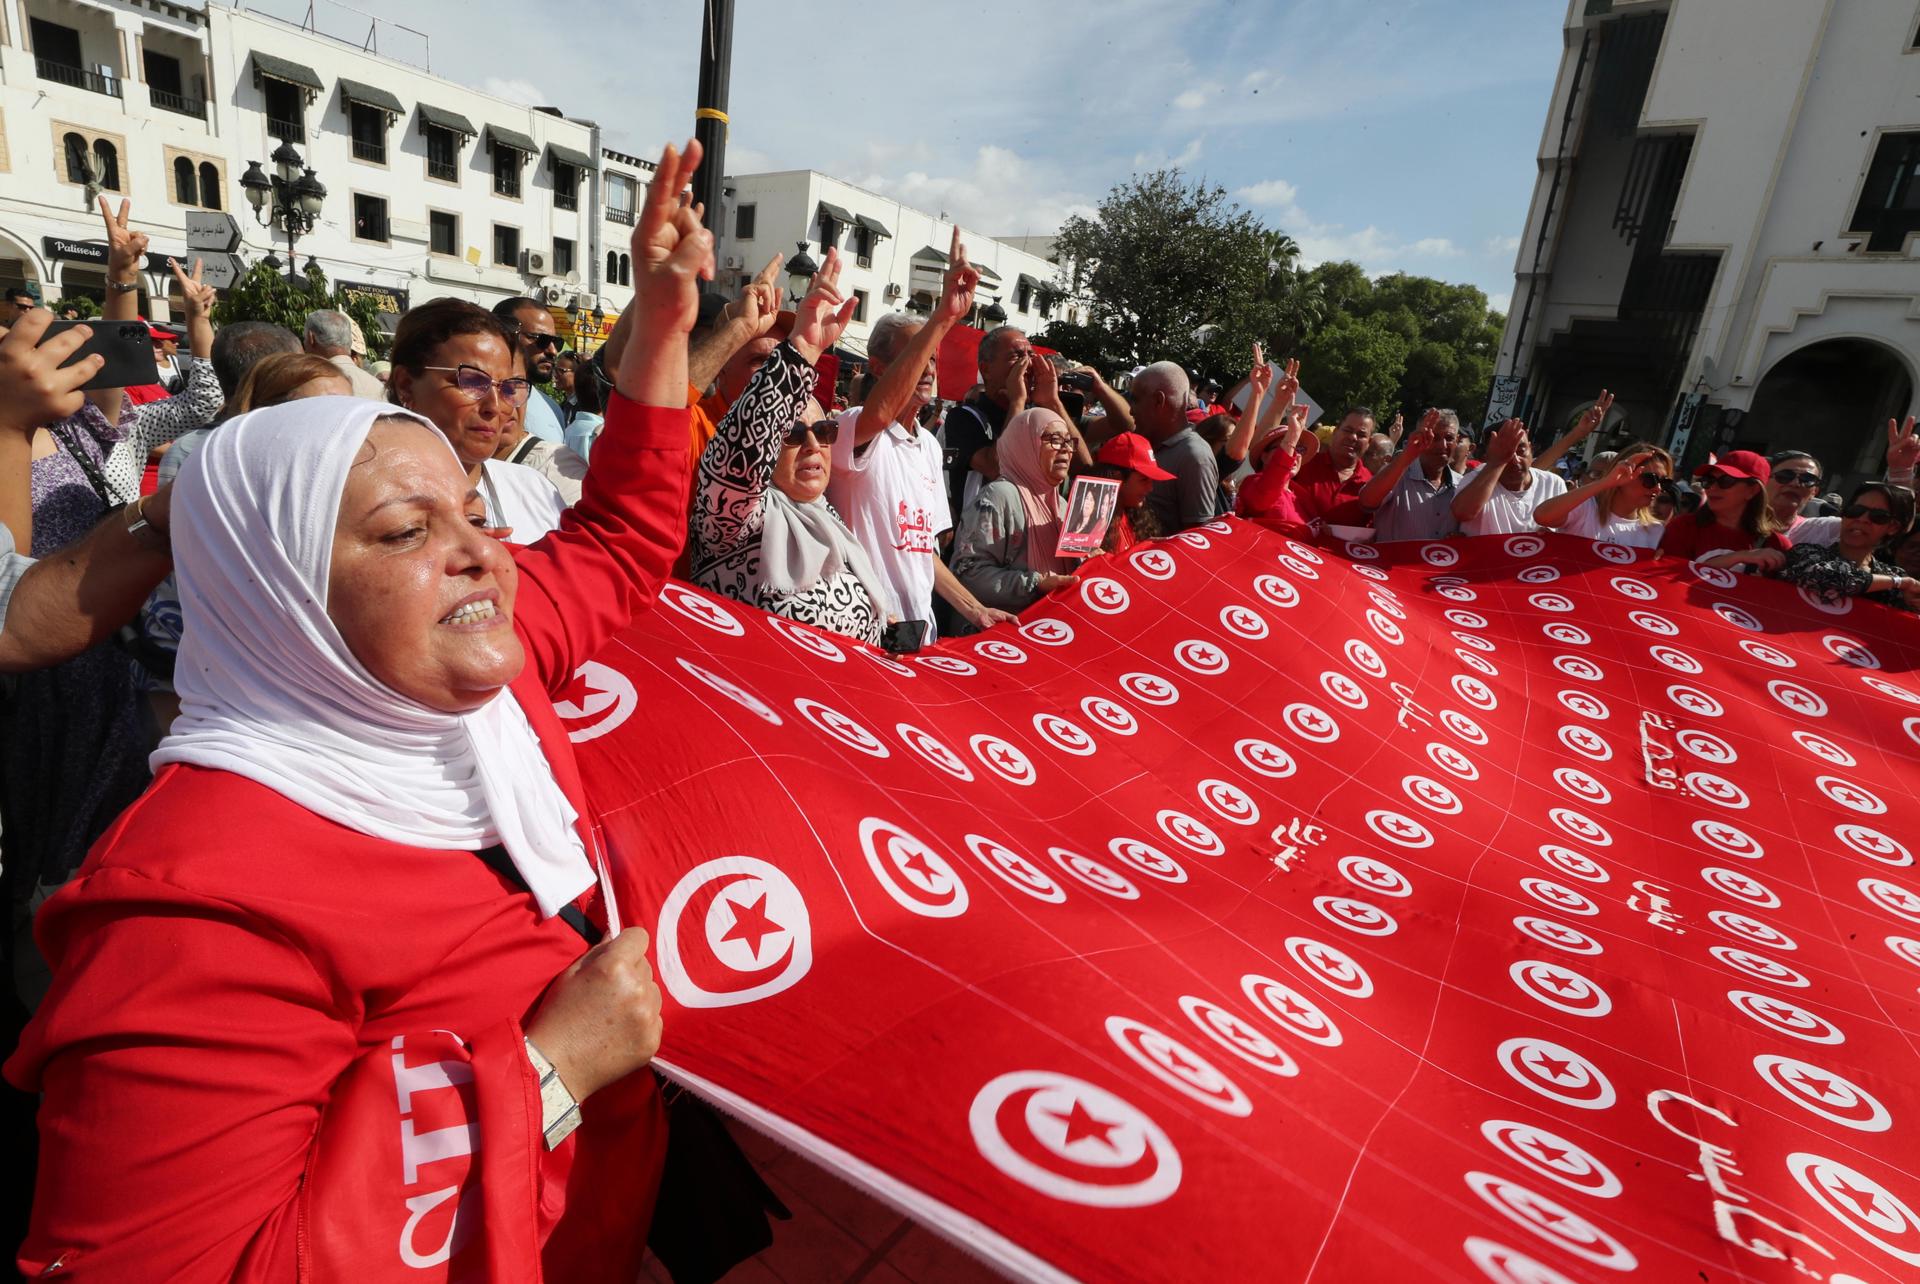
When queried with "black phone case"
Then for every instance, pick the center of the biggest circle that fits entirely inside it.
(126, 345)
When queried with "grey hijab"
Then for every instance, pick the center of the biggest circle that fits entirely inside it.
(803, 544)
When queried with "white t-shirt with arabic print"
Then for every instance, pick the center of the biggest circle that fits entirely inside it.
(892, 493)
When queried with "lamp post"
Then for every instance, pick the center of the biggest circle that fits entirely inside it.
(289, 199)
(800, 270)
(993, 312)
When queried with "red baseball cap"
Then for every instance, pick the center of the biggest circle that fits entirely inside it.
(1130, 450)
(160, 334)
(1744, 464)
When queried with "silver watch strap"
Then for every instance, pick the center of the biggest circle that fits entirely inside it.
(559, 1112)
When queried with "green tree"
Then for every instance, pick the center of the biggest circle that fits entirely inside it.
(1355, 360)
(81, 305)
(265, 294)
(1175, 273)
(1086, 344)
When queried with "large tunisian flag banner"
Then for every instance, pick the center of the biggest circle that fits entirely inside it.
(1515, 909)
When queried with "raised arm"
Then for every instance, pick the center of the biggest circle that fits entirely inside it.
(1903, 451)
(741, 322)
(1596, 415)
(894, 391)
(1259, 379)
(1046, 395)
(1554, 513)
(126, 251)
(1501, 448)
(1119, 413)
(584, 581)
(1375, 492)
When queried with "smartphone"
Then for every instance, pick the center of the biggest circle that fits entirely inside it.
(1078, 379)
(126, 345)
(904, 637)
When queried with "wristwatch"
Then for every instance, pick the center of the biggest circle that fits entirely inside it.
(559, 1112)
(123, 287)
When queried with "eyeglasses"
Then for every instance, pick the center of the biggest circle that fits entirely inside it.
(1794, 477)
(476, 383)
(1652, 480)
(1055, 441)
(1720, 481)
(1878, 516)
(823, 432)
(541, 342)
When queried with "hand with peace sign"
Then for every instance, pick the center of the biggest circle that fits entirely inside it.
(672, 254)
(126, 248)
(1903, 448)
(199, 298)
(957, 284)
(823, 315)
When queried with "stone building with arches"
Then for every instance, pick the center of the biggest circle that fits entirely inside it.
(1726, 229)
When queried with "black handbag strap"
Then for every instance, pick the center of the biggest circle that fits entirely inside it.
(95, 478)
(496, 859)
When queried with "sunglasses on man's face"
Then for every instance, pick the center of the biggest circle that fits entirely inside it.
(823, 432)
(541, 342)
(1878, 516)
(1794, 477)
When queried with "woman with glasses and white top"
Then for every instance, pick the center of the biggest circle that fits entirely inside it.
(763, 531)
(1618, 508)
(453, 363)
(1005, 550)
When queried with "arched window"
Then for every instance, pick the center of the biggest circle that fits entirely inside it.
(186, 189)
(79, 167)
(626, 270)
(209, 185)
(613, 267)
(106, 163)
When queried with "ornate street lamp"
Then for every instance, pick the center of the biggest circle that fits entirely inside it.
(290, 199)
(800, 270)
(993, 312)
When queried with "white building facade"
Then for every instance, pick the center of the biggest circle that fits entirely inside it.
(893, 254)
(433, 189)
(1726, 228)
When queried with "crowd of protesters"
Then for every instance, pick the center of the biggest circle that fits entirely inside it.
(332, 607)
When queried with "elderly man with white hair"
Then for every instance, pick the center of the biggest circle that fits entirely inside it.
(329, 334)
(1161, 396)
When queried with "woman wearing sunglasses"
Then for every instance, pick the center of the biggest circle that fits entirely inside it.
(1618, 508)
(1875, 518)
(453, 364)
(762, 529)
(1734, 514)
(1005, 552)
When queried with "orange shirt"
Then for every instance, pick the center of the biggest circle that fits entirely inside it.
(703, 420)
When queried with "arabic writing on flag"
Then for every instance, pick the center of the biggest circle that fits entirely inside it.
(1515, 909)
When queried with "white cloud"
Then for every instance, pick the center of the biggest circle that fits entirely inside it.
(1437, 247)
(1161, 160)
(1500, 302)
(1002, 194)
(1191, 100)
(515, 90)
(1275, 192)
(1255, 79)
(1497, 245)
(1373, 249)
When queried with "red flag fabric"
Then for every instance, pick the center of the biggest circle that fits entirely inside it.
(959, 361)
(1517, 909)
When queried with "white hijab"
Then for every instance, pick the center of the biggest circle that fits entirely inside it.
(269, 690)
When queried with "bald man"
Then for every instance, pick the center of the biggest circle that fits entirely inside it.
(1161, 398)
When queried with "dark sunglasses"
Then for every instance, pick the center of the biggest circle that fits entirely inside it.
(823, 432)
(1652, 480)
(1878, 516)
(1794, 477)
(1720, 481)
(476, 383)
(541, 342)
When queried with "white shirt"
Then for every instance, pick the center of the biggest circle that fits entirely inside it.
(1510, 512)
(363, 384)
(1601, 526)
(12, 566)
(519, 497)
(1814, 530)
(892, 493)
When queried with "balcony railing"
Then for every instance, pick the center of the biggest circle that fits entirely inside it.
(185, 106)
(445, 170)
(566, 200)
(370, 149)
(287, 131)
(624, 217)
(78, 77)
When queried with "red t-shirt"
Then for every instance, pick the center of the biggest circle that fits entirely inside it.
(1689, 537)
(1323, 497)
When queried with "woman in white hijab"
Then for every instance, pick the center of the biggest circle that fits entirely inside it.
(763, 531)
(325, 999)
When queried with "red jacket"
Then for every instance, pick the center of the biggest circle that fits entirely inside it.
(1268, 496)
(278, 1049)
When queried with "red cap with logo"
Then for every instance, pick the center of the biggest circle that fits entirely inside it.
(1744, 464)
(1130, 450)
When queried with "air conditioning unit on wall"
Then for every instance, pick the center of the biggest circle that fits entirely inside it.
(893, 290)
(732, 263)
(533, 262)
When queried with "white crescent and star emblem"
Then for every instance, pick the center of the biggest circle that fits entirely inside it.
(607, 699)
(1073, 1141)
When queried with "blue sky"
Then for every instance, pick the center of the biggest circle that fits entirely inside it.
(1398, 133)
